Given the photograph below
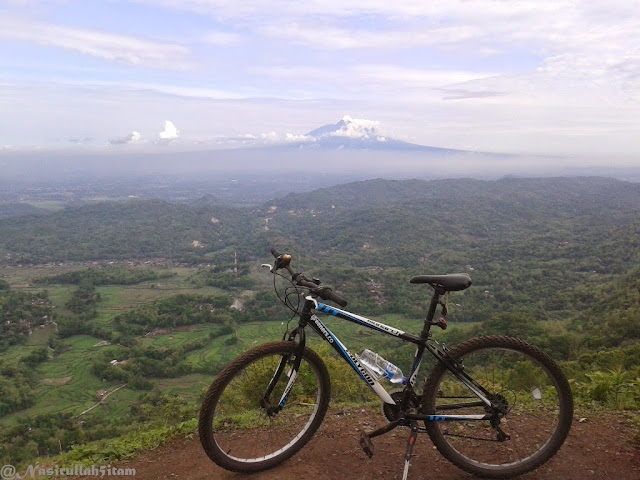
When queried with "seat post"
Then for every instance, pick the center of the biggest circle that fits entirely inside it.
(435, 300)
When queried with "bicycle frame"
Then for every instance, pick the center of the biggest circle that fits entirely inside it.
(422, 342)
(514, 372)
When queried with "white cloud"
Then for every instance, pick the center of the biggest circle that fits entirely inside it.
(193, 92)
(415, 76)
(340, 8)
(367, 80)
(356, 128)
(245, 139)
(133, 137)
(597, 33)
(169, 133)
(274, 137)
(563, 75)
(103, 45)
(565, 37)
(222, 38)
(166, 89)
(270, 137)
(330, 38)
(292, 138)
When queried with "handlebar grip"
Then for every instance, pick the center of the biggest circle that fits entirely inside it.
(327, 294)
(335, 298)
(275, 253)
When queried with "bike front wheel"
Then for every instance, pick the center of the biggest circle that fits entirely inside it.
(242, 429)
(531, 412)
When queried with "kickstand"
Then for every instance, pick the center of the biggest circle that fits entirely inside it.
(410, 445)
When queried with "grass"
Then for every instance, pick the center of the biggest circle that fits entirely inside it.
(69, 386)
(56, 381)
(57, 394)
(65, 383)
(111, 451)
(40, 336)
(25, 275)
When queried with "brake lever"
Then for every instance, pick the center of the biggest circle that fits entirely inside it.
(269, 266)
(311, 299)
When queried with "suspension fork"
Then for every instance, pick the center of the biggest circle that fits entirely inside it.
(298, 337)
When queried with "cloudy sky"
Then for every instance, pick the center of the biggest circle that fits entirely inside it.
(559, 77)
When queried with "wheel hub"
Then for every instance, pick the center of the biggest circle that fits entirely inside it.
(499, 405)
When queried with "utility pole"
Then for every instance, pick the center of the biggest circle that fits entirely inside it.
(235, 262)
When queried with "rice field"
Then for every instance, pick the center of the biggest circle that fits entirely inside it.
(65, 383)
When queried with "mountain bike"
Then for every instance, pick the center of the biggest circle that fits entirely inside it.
(494, 406)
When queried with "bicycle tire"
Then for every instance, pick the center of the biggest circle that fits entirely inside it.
(536, 397)
(235, 430)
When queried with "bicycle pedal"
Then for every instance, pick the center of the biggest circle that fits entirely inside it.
(366, 444)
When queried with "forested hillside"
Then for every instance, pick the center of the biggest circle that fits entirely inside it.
(614, 317)
(540, 244)
(8, 210)
(139, 229)
(147, 299)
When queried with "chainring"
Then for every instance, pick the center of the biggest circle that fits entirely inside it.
(393, 412)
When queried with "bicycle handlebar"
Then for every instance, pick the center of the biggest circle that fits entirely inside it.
(328, 294)
(284, 261)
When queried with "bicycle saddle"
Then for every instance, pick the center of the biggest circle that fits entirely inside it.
(451, 282)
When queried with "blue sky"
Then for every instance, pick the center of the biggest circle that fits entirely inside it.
(558, 77)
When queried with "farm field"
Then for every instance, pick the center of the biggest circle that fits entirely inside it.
(66, 385)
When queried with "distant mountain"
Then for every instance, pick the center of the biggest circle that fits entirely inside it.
(357, 134)
(578, 195)
(329, 128)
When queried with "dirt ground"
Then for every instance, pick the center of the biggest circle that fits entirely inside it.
(598, 447)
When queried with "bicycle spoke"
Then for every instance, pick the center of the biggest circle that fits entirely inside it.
(525, 410)
(242, 432)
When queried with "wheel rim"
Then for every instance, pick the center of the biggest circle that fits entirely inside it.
(529, 397)
(244, 431)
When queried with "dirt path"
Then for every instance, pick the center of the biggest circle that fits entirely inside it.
(601, 447)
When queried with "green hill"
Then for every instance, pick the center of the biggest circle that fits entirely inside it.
(614, 317)
(122, 230)
(538, 244)
(555, 260)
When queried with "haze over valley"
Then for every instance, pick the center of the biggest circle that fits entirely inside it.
(152, 153)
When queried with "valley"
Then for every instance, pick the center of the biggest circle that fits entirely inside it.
(133, 306)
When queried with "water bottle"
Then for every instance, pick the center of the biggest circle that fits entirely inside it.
(380, 367)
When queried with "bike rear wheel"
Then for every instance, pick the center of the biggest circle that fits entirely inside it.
(532, 413)
(240, 431)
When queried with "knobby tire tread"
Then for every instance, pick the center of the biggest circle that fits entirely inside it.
(564, 392)
(226, 376)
